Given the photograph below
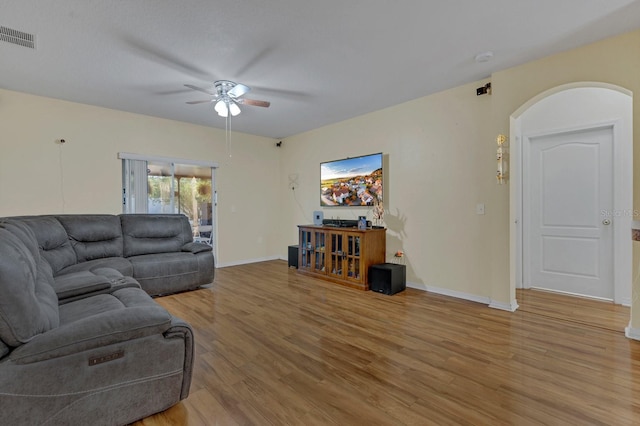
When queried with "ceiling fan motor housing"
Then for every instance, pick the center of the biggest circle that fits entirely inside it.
(227, 96)
(223, 86)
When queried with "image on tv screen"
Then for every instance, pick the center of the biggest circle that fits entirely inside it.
(351, 182)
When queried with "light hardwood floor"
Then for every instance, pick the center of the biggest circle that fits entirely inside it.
(277, 348)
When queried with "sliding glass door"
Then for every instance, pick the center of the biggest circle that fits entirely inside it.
(161, 188)
(159, 185)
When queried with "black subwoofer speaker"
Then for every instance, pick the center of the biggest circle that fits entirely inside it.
(388, 278)
(293, 257)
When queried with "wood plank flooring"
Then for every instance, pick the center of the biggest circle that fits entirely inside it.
(277, 348)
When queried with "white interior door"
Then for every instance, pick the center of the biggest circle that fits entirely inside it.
(569, 113)
(568, 212)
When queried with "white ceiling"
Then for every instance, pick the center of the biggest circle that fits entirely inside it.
(317, 62)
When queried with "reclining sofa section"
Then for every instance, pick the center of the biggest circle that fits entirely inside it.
(80, 341)
(157, 250)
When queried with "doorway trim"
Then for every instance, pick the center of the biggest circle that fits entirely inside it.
(622, 193)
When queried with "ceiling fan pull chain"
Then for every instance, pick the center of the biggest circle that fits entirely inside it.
(227, 130)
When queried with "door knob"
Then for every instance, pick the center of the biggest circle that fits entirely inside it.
(606, 222)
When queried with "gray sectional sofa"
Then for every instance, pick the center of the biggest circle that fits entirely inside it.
(81, 340)
(157, 250)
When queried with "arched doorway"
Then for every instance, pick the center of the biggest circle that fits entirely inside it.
(571, 191)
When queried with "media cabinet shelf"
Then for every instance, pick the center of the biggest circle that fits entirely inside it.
(340, 255)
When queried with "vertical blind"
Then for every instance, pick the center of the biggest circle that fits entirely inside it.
(134, 186)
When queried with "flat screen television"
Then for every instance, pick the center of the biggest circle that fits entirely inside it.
(351, 182)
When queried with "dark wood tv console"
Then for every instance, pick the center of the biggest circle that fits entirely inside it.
(340, 255)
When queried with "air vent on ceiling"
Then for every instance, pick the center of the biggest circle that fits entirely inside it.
(17, 37)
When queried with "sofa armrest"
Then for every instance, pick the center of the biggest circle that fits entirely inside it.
(99, 330)
(79, 283)
(182, 330)
(196, 247)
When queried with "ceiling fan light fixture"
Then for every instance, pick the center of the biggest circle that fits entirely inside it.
(227, 96)
(221, 108)
(234, 109)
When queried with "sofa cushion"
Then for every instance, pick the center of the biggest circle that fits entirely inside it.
(149, 234)
(28, 305)
(79, 283)
(98, 321)
(52, 238)
(120, 264)
(93, 236)
(90, 306)
(164, 273)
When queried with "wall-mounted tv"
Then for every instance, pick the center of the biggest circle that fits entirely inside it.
(351, 182)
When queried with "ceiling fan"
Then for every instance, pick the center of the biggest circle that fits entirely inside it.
(227, 96)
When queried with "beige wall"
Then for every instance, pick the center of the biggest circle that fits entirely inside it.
(440, 164)
(35, 172)
(615, 61)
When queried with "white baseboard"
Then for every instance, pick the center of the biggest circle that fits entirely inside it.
(417, 286)
(450, 293)
(511, 307)
(632, 333)
(248, 261)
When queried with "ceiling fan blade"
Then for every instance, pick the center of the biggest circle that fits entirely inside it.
(254, 102)
(238, 90)
(190, 86)
(200, 102)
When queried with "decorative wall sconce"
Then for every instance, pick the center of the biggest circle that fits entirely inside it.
(502, 173)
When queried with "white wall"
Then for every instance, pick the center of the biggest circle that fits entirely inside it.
(38, 176)
(439, 163)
